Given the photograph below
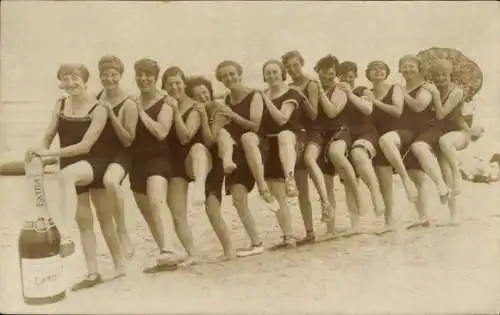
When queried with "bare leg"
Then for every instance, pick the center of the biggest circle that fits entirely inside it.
(418, 178)
(213, 209)
(287, 141)
(239, 194)
(390, 144)
(199, 164)
(311, 158)
(112, 178)
(385, 178)
(250, 144)
(177, 202)
(302, 179)
(430, 165)
(102, 204)
(79, 173)
(330, 225)
(449, 144)
(337, 155)
(225, 144)
(353, 215)
(364, 166)
(448, 178)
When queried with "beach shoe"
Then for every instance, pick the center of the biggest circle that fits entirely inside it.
(291, 186)
(310, 238)
(90, 281)
(66, 247)
(168, 257)
(253, 250)
(160, 268)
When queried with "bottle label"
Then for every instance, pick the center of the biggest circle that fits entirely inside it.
(41, 225)
(42, 277)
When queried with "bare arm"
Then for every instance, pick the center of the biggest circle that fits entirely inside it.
(160, 128)
(206, 132)
(280, 116)
(442, 110)
(311, 106)
(396, 108)
(362, 103)
(125, 124)
(51, 130)
(420, 102)
(186, 130)
(98, 121)
(334, 106)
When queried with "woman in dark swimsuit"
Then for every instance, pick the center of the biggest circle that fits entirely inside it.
(283, 127)
(241, 146)
(201, 90)
(151, 166)
(451, 132)
(190, 156)
(363, 133)
(79, 121)
(294, 63)
(395, 144)
(119, 133)
(388, 106)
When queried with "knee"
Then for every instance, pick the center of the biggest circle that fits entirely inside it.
(157, 203)
(66, 177)
(111, 182)
(444, 143)
(285, 137)
(310, 158)
(239, 201)
(249, 140)
(84, 219)
(418, 147)
(358, 156)
(198, 149)
(387, 140)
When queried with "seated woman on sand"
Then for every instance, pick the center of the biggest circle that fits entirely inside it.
(151, 166)
(190, 157)
(200, 89)
(284, 131)
(120, 133)
(240, 144)
(79, 120)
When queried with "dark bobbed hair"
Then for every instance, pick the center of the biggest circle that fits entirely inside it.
(195, 81)
(346, 67)
(111, 62)
(292, 54)
(226, 63)
(327, 62)
(375, 63)
(172, 72)
(147, 65)
(73, 68)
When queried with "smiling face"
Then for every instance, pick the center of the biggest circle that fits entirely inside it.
(348, 77)
(327, 76)
(441, 78)
(229, 76)
(110, 78)
(72, 83)
(377, 74)
(409, 69)
(294, 67)
(201, 93)
(273, 74)
(175, 86)
(145, 81)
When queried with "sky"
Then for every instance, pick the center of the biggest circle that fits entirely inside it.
(38, 36)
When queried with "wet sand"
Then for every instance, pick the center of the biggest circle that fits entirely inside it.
(438, 270)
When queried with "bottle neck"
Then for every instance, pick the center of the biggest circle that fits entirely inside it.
(36, 207)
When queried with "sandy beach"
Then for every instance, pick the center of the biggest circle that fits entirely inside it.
(437, 270)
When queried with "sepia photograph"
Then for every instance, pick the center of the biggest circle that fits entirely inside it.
(241, 157)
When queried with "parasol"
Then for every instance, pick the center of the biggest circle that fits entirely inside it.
(466, 73)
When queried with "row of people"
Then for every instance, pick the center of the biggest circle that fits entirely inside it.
(166, 138)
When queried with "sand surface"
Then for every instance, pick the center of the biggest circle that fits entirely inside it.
(439, 270)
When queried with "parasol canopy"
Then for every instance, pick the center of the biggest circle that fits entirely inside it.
(466, 73)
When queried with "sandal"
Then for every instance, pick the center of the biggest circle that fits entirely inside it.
(90, 281)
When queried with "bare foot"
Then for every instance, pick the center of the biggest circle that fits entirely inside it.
(229, 166)
(411, 190)
(118, 273)
(126, 244)
(331, 236)
(386, 229)
(353, 232)
(228, 256)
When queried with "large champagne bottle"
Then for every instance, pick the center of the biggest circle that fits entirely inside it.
(41, 265)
